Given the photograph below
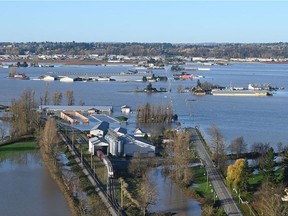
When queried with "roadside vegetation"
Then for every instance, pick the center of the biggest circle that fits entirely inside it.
(259, 185)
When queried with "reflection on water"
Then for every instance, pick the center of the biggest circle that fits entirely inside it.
(170, 197)
(27, 189)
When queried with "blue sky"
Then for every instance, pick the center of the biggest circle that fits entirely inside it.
(144, 21)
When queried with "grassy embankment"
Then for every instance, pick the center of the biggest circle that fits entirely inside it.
(96, 204)
(24, 146)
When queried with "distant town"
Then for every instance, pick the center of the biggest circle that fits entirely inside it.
(152, 54)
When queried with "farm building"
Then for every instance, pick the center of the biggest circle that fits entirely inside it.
(96, 143)
(125, 109)
(127, 145)
(100, 129)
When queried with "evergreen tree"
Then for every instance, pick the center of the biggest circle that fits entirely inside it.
(268, 164)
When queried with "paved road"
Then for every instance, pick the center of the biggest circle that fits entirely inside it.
(216, 180)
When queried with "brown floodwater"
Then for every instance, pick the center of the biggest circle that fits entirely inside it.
(26, 188)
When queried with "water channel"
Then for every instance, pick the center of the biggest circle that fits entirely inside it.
(27, 189)
(170, 198)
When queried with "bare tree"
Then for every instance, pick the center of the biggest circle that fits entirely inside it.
(217, 144)
(182, 158)
(46, 95)
(179, 88)
(178, 157)
(138, 166)
(57, 98)
(208, 210)
(148, 193)
(238, 146)
(154, 113)
(267, 200)
(2, 131)
(70, 97)
(23, 114)
(49, 141)
(12, 71)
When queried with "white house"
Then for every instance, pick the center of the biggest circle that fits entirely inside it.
(125, 109)
(139, 133)
(100, 129)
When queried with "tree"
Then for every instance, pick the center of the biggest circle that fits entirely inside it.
(198, 84)
(81, 103)
(238, 146)
(12, 72)
(182, 158)
(57, 98)
(47, 94)
(179, 88)
(70, 98)
(237, 174)
(285, 166)
(208, 210)
(149, 87)
(178, 155)
(267, 165)
(267, 200)
(49, 141)
(217, 144)
(147, 193)
(2, 131)
(138, 166)
(154, 114)
(23, 114)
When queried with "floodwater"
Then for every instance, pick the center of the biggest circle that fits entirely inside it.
(170, 198)
(257, 119)
(27, 189)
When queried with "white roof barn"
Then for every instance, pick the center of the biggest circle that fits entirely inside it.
(120, 131)
(100, 129)
(49, 78)
(138, 146)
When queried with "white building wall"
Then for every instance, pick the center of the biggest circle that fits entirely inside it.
(97, 132)
(131, 148)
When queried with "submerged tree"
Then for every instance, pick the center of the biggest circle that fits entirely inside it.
(70, 97)
(57, 98)
(46, 95)
(154, 113)
(178, 156)
(147, 193)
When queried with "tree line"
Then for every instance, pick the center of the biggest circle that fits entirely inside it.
(148, 113)
(217, 50)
